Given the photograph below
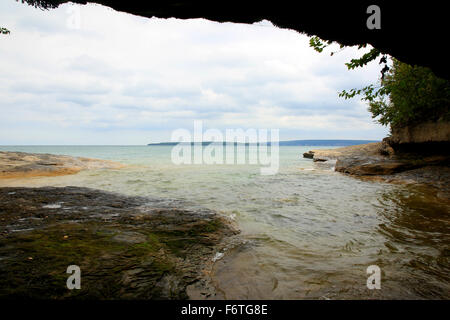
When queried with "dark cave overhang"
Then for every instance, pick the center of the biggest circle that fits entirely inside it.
(414, 33)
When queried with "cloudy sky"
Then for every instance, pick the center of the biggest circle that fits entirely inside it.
(91, 75)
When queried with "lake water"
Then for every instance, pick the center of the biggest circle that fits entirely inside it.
(309, 232)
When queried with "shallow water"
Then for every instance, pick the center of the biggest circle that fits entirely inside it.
(309, 232)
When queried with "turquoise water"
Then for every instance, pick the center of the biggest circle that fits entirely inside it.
(308, 231)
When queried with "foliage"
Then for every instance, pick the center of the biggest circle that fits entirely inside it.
(42, 4)
(4, 31)
(415, 95)
(405, 95)
(318, 44)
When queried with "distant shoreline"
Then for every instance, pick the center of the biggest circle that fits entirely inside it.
(315, 143)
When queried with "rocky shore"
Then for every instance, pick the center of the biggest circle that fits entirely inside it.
(126, 247)
(22, 165)
(378, 161)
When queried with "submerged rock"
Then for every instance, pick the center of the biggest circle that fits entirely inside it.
(126, 247)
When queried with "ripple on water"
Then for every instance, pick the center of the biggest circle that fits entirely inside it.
(311, 232)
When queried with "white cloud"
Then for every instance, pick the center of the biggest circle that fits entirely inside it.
(137, 79)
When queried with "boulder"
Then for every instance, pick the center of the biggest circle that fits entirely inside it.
(386, 148)
(308, 155)
(371, 166)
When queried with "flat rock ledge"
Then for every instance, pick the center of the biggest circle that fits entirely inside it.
(22, 164)
(126, 247)
(377, 161)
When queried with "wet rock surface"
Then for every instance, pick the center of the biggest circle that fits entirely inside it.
(378, 161)
(308, 155)
(372, 166)
(126, 247)
(364, 165)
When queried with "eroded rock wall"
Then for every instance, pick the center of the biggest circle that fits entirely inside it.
(425, 138)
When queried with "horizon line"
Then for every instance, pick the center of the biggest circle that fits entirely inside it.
(164, 142)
